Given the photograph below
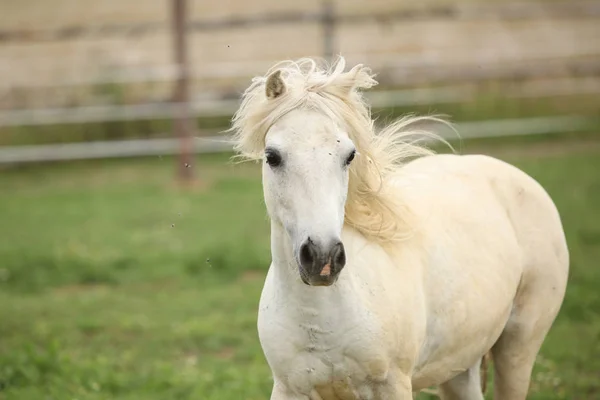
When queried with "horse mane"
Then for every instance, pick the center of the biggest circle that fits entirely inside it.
(372, 207)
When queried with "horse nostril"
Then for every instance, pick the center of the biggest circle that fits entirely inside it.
(338, 254)
(307, 253)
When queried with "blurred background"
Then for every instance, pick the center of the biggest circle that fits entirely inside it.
(133, 251)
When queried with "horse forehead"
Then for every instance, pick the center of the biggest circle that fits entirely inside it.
(313, 143)
(305, 129)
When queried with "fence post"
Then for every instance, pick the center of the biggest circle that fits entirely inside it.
(182, 120)
(328, 20)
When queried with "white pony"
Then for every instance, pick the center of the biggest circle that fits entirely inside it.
(390, 276)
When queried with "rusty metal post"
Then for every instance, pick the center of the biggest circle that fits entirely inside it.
(328, 20)
(182, 120)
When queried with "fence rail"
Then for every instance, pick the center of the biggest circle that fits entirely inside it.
(458, 11)
(224, 108)
(407, 71)
(551, 62)
(215, 144)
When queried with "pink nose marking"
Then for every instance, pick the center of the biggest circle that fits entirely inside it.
(326, 271)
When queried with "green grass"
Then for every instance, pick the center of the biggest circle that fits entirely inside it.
(117, 284)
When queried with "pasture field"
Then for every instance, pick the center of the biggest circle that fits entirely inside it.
(115, 283)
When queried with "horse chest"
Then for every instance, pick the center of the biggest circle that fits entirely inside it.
(337, 364)
(336, 353)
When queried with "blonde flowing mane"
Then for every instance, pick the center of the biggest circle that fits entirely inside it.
(372, 207)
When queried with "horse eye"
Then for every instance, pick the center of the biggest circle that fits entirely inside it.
(350, 157)
(273, 158)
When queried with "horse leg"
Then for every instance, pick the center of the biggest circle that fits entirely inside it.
(280, 392)
(465, 386)
(397, 387)
(514, 357)
(515, 351)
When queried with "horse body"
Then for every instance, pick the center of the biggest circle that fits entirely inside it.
(427, 314)
(482, 267)
(496, 261)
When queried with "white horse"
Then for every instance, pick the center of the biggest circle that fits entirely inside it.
(390, 276)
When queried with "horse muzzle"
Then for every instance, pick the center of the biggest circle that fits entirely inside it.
(320, 265)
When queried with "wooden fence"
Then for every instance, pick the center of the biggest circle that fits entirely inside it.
(585, 62)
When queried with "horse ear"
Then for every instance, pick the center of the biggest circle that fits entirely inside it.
(275, 86)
